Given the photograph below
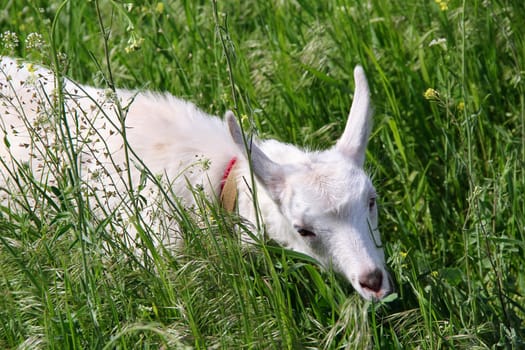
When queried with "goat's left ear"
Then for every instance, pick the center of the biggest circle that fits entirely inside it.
(270, 174)
(355, 137)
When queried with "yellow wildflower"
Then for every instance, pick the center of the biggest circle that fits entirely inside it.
(443, 4)
(431, 94)
(134, 42)
(461, 106)
(31, 69)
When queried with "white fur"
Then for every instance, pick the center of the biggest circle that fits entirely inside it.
(326, 193)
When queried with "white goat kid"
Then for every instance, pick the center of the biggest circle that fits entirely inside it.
(322, 204)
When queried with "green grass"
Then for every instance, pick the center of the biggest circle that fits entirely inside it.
(447, 164)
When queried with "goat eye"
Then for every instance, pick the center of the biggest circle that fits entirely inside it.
(371, 203)
(305, 233)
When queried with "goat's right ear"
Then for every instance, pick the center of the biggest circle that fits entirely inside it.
(270, 174)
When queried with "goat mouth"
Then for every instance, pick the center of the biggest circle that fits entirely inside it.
(373, 285)
(375, 296)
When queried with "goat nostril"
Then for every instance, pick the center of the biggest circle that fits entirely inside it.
(372, 281)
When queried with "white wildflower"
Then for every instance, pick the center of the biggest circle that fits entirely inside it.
(34, 41)
(9, 40)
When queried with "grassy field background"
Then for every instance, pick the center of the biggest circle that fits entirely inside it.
(446, 153)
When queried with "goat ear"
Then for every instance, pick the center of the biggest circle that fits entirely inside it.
(270, 174)
(355, 137)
